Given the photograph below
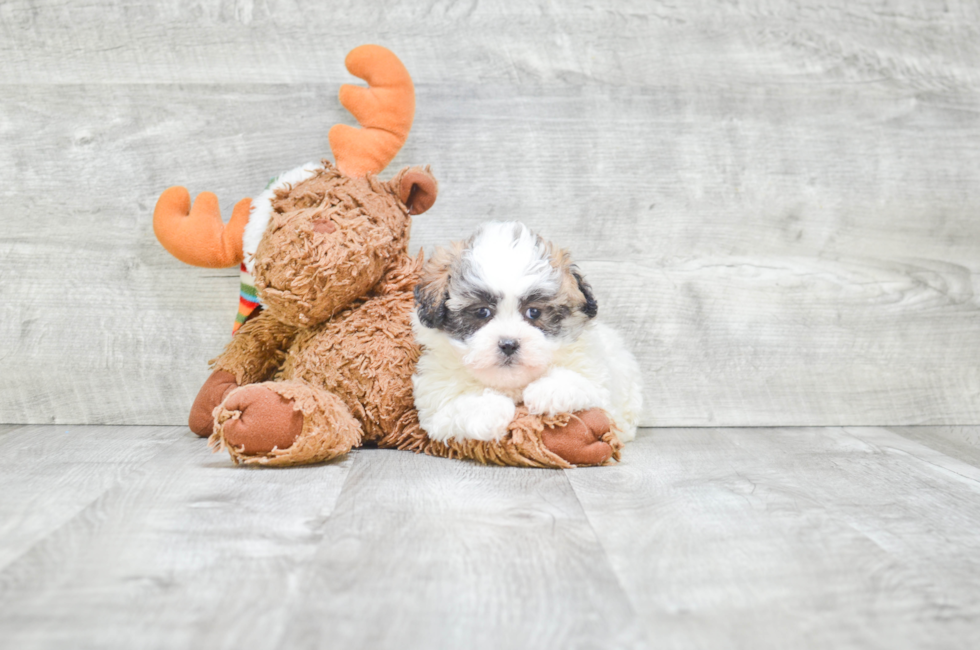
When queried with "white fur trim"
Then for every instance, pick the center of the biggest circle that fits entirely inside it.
(258, 217)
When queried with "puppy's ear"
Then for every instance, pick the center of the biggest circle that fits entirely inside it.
(430, 303)
(432, 291)
(416, 187)
(591, 307)
(576, 292)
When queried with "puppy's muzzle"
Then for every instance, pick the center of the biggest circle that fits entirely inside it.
(508, 346)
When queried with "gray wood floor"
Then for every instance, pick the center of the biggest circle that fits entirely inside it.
(126, 537)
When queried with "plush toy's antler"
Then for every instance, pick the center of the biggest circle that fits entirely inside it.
(385, 110)
(195, 235)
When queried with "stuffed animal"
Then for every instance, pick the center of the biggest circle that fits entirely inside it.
(323, 354)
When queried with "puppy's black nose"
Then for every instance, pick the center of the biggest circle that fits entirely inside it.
(508, 346)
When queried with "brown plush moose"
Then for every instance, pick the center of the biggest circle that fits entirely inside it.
(325, 362)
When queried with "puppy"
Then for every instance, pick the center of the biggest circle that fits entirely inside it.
(506, 317)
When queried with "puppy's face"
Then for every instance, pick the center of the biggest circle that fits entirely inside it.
(506, 300)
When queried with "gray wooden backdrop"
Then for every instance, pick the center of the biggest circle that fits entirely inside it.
(776, 201)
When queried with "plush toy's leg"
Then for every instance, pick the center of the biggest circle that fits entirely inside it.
(256, 419)
(561, 441)
(212, 393)
(252, 355)
(284, 423)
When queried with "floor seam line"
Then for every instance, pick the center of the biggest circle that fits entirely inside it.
(606, 559)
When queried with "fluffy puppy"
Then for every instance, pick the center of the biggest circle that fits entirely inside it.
(503, 318)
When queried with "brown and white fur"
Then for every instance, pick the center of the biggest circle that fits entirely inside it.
(506, 318)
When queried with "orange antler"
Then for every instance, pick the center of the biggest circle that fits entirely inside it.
(385, 110)
(195, 235)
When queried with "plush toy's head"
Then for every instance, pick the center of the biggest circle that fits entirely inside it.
(330, 238)
(321, 235)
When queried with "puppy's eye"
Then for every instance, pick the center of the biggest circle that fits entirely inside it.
(533, 313)
(483, 312)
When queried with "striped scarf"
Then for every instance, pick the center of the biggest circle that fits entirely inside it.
(248, 301)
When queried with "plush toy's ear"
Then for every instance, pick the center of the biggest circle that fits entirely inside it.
(574, 286)
(417, 188)
(432, 291)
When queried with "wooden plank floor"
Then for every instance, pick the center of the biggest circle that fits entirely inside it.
(123, 537)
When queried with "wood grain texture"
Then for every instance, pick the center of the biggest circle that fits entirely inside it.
(774, 200)
(189, 551)
(48, 475)
(618, 42)
(126, 537)
(415, 552)
(444, 554)
(792, 538)
(962, 443)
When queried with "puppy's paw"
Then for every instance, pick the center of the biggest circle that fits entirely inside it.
(474, 417)
(561, 391)
(486, 416)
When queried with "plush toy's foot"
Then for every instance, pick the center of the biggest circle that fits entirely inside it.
(260, 420)
(212, 393)
(559, 442)
(521, 446)
(284, 423)
(587, 439)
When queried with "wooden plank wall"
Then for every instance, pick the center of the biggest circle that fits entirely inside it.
(776, 201)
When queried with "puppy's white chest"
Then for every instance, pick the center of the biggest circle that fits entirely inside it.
(516, 394)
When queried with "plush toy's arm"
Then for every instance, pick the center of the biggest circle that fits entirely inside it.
(257, 350)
